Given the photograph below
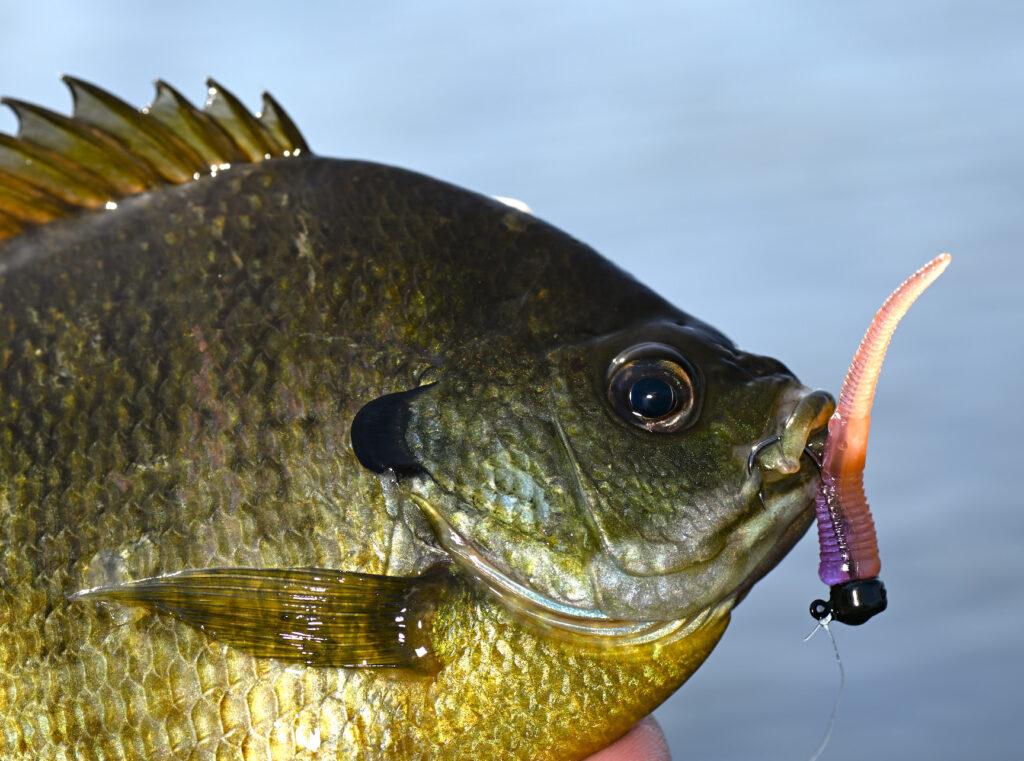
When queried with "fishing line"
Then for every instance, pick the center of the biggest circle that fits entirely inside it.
(824, 624)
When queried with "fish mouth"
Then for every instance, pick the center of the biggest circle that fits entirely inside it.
(779, 460)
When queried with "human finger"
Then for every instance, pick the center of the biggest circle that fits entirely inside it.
(644, 742)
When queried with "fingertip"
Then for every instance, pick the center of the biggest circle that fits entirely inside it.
(644, 742)
(654, 743)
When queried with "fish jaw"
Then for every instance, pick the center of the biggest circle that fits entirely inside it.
(753, 548)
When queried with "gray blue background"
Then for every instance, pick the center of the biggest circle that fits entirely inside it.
(776, 168)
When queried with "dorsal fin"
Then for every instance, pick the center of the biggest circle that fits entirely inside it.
(106, 150)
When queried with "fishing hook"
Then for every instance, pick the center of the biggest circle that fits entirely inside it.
(756, 450)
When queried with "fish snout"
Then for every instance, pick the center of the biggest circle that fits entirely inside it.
(804, 430)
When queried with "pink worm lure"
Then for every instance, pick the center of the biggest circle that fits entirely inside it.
(846, 532)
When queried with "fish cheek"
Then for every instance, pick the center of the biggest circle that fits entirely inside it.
(655, 500)
(495, 478)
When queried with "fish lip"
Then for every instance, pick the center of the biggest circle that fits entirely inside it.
(815, 446)
(799, 427)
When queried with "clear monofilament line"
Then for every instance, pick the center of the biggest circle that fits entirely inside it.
(839, 691)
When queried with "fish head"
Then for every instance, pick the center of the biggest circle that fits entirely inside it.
(624, 477)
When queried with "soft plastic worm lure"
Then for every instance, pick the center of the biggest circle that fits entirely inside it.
(846, 532)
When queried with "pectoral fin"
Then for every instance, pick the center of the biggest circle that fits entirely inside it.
(314, 616)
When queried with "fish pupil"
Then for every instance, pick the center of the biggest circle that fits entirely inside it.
(652, 398)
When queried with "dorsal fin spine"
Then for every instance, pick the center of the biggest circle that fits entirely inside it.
(244, 128)
(277, 122)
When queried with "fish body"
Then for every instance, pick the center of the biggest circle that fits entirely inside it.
(311, 374)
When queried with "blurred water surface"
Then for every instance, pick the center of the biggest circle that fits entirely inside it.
(774, 168)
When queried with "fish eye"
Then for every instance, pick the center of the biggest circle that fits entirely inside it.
(652, 387)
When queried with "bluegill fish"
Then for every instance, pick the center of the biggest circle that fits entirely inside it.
(320, 459)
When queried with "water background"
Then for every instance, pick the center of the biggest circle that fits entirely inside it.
(774, 168)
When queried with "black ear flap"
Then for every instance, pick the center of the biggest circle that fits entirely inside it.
(378, 434)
